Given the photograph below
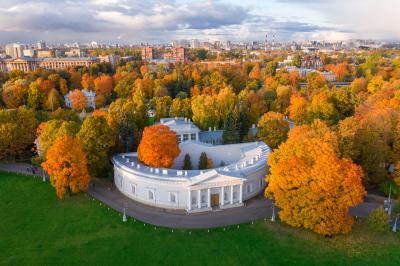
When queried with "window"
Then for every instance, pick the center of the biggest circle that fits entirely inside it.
(193, 200)
(151, 195)
(185, 137)
(203, 199)
(172, 197)
(133, 189)
(234, 195)
(248, 188)
(193, 136)
(178, 138)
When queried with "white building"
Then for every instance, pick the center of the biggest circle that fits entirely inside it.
(239, 174)
(14, 50)
(90, 95)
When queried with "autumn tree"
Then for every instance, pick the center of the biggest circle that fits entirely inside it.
(255, 72)
(298, 109)
(67, 166)
(14, 93)
(311, 185)
(162, 106)
(98, 138)
(103, 85)
(158, 147)
(272, 129)
(53, 101)
(78, 100)
(35, 96)
(17, 131)
(48, 131)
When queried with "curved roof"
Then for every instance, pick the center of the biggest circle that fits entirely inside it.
(253, 156)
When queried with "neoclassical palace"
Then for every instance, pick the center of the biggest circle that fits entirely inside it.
(238, 175)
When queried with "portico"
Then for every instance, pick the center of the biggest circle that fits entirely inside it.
(211, 195)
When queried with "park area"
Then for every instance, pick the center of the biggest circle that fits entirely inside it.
(37, 228)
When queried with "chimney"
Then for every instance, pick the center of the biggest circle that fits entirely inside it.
(253, 126)
(209, 128)
(215, 128)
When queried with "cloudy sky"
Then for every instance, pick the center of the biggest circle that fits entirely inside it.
(132, 21)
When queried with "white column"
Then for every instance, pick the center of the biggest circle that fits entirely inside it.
(197, 136)
(209, 198)
(222, 196)
(181, 138)
(199, 198)
(231, 194)
(240, 193)
(189, 200)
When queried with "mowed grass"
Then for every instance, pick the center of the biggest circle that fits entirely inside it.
(38, 229)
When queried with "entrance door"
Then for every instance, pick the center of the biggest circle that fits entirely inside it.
(214, 200)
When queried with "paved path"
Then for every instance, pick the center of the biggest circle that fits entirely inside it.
(254, 209)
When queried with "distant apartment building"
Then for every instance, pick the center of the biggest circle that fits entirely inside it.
(29, 52)
(75, 52)
(45, 53)
(29, 64)
(41, 45)
(152, 54)
(148, 53)
(112, 59)
(177, 54)
(14, 50)
(194, 44)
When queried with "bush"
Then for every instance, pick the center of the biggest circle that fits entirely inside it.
(385, 188)
(203, 161)
(378, 220)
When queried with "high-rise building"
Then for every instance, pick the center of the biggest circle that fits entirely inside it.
(194, 44)
(41, 45)
(148, 53)
(14, 50)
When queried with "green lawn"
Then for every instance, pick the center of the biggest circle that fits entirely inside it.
(38, 229)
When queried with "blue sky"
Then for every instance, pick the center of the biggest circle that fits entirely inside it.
(132, 21)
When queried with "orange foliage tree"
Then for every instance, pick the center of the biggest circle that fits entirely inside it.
(67, 165)
(78, 100)
(312, 186)
(103, 85)
(158, 147)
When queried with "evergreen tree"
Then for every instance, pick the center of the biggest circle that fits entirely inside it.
(231, 128)
(187, 163)
(250, 136)
(203, 161)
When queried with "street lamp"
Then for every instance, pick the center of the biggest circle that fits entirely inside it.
(124, 218)
(273, 212)
(394, 229)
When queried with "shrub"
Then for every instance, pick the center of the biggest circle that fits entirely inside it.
(378, 220)
(203, 161)
(385, 188)
(187, 163)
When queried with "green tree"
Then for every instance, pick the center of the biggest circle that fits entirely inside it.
(35, 96)
(231, 128)
(98, 138)
(187, 163)
(272, 129)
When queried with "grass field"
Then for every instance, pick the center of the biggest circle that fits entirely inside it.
(38, 229)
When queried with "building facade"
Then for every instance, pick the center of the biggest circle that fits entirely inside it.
(238, 174)
(29, 63)
(222, 187)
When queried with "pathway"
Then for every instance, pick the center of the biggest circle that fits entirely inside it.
(254, 209)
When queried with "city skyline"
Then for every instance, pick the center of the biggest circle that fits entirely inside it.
(130, 21)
